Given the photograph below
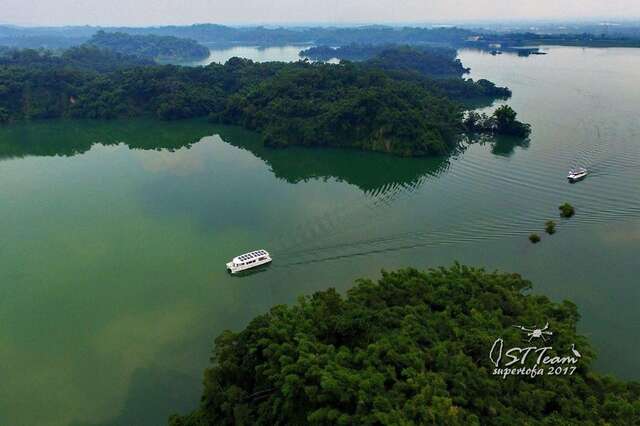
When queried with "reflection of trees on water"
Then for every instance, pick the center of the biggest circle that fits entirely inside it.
(373, 173)
(503, 146)
(66, 138)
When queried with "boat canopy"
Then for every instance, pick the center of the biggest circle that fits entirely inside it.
(248, 256)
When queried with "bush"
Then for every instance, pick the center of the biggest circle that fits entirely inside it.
(534, 238)
(550, 227)
(567, 210)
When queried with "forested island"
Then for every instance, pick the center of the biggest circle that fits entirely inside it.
(412, 348)
(160, 48)
(434, 62)
(364, 106)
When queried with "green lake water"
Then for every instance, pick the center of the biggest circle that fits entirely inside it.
(285, 53)
(114, 234)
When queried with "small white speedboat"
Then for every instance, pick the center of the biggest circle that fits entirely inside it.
(249, 260)
(577, 174)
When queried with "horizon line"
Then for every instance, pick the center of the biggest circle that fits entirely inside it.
(310, 24)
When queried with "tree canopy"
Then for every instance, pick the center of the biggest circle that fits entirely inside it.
(503, 121)
(150, 46)
(354, 105)
(427, 60)
(346, 105)
(411, 348)
(85, 58)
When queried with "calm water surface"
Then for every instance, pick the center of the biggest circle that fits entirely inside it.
(114, 235)
(287, 53)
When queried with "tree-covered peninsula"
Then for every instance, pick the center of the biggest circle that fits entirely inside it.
(155, 47)
(401, 112)
(430, 61)
(438, 67)
(413, 348)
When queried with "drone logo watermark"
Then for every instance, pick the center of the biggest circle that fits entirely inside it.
(532, 361)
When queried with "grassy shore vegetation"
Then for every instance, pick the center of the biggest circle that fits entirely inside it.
(567, 210)
(411, 348)
(311, 104)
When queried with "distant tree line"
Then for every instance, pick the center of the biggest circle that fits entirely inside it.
(440, 65)
(585, 35)
(85, 57)
(150, 46)
(437, 63)
(362, 52)
(428, 61)
(558, 39)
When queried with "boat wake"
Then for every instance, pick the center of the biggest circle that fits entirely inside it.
(603, 198)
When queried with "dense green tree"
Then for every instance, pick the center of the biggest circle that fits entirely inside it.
(502, 122)
(550, 227)
(462, 89)
(350, 105)
(427, 60)
(434, 63)
(86, 58)
(567, 210)
(507, 124)
(150, 46)
(346, 105)
(411, 349)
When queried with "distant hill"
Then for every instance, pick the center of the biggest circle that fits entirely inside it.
(62, 37)
(580, 35)
(150, 46)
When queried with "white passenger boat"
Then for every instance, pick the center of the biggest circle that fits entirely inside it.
(249, 260)
(577, 174)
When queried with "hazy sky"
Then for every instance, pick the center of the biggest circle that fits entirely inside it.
(151, 12)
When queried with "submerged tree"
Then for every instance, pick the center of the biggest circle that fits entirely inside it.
(507, 123)
(550, 227)
(412, 348)
(567, 210)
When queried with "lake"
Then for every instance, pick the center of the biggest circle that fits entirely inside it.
(115, 234)
(219, 55)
